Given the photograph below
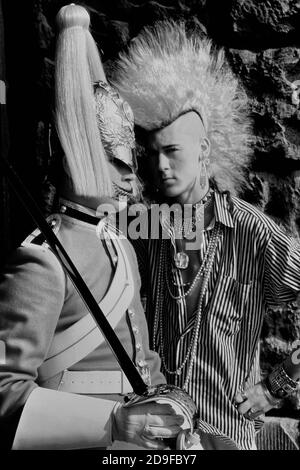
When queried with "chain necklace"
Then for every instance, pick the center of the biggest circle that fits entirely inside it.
(184, 228)
(179, 229)
(209, 253)
(158, 317)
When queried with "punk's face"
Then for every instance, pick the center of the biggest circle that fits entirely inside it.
(174, 154)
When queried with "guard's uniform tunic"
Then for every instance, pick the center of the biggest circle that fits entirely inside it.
(53, 346)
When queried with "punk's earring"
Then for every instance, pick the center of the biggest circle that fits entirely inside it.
(203, 172)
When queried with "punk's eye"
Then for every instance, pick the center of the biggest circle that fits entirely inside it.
(171, 150)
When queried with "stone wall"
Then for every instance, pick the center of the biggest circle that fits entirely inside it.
(262, 40)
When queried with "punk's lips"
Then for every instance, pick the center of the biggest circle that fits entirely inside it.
(167, 178)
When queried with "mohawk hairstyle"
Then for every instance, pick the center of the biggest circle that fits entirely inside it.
(166, 73)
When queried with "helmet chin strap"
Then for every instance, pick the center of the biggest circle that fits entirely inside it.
(132, 196)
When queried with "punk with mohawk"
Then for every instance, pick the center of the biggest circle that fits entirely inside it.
(167, 73)
(206, 301)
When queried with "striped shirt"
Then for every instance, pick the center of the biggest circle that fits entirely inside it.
(255, 266)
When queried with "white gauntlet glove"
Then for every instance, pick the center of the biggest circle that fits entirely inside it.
(146, 424)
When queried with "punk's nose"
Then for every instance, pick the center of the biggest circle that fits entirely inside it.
(163, 162)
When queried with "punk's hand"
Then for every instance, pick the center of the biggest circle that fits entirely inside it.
(146, 424)
(254, 401)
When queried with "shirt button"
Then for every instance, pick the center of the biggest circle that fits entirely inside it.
(63, 209)
(131, 313)
(135, 329)
(138, 346)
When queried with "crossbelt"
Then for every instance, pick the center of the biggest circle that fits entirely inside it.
(79, 340)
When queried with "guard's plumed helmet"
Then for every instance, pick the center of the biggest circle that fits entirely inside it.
(94, 123)
(167, 72)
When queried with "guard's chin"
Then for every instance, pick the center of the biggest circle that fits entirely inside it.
(129, 197)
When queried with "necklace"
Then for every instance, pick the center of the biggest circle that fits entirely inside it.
(190, 224)
(158, 317)
(209, 253)
(179, 227)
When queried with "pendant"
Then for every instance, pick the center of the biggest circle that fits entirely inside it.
(181, 260)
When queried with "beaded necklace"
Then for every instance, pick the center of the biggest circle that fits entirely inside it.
(208, 255)
(205, 268)
(179, 229)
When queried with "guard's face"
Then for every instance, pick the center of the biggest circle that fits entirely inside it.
(116, 125)
(174, 154)
(123, 179)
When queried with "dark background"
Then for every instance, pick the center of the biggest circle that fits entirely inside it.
(262, 41)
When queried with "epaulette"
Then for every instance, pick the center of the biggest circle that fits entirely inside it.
(37, 237)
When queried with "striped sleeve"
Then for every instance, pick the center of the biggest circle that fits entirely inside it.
(282, 268)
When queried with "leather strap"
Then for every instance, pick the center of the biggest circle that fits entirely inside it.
(79, 340)
(71, 212)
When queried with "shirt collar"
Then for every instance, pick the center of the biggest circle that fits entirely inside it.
(222, 213)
